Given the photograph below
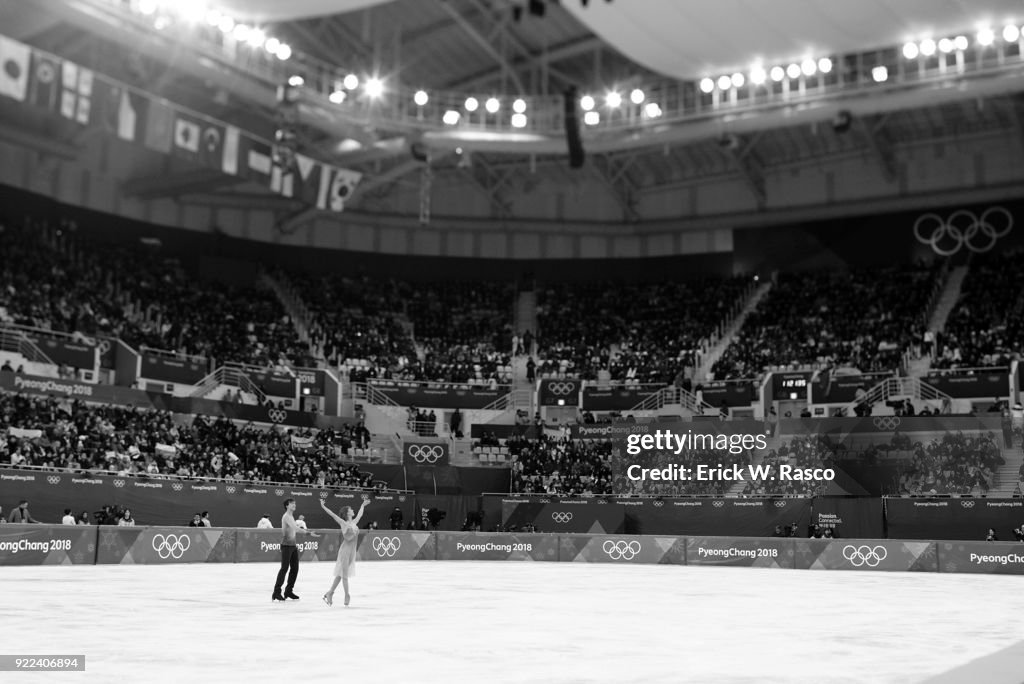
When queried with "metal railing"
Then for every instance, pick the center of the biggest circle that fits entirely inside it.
(15, 341)
(852, 73)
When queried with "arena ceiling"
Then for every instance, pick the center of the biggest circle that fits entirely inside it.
(483, 46)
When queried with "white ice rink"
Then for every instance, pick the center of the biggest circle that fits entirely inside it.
(505, 622)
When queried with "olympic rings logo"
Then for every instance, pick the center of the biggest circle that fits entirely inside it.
(887, 422)
(621, 550)
(324, 494)
(961, 230)
(718, 503)
(171, 546)
(277, 415)
(780, 504)
(386, 546)
(279, 492)
(119, 483)
(859, 556)
(424, 453)
(659, 504)
(402, 498)
(967, 504)
(561, 517)
(560, 389)
(176, 486)
(53, 479)
(229, 489)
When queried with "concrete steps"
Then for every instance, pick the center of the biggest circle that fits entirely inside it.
(716, 351)
(1008, 475)
(948, 299)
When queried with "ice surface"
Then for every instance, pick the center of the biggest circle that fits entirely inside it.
(503, 622)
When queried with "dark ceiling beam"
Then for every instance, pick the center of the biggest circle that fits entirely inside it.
(554, 55)
(471, 31)
(870, 129)
(177, 184)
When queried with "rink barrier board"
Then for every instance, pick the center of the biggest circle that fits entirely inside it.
(102, 545)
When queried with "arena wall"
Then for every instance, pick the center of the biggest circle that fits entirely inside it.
(58, 545)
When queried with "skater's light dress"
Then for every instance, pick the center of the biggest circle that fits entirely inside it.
(346, 565)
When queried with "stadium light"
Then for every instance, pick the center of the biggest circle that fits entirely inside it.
(927, 47)
(825, 65)
(272, 45)
(519, 120)
(986, 37)
(1011, 34)
(910, 50)
(613, 99)
(778, 73)
(213, 18)
(337, 96)
(880, 74)
(374, 87)
(706, 85)
(808, 67)
(451, 117)
(591, 118)
(945, 46)
(758, 75)
(284, 52)
(738, 80)
(226, 24)
(351, 82)
(519, 106)
(147, 7)
(492, 105)
(296, 81)
(420, 98)
(960, 42)
(637, 96)
(587, 103)
(724, 82)
(241, 33)
(472, 104)
(652, 110)
(793, 71)
(256, 38)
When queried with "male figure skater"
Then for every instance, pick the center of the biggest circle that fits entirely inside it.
(289, 553)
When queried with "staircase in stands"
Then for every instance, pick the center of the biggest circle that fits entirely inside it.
(1008, 474)
(718, 348)
(944, 305)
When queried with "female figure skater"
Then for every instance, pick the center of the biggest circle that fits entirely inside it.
(346, 565)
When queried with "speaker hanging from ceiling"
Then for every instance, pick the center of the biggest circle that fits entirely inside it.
(572, 129)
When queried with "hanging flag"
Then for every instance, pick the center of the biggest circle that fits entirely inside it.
(282, 180)
(308, 178)
(211, 148)
(76, 96)
(187, 137)
(229, 161)
(131, 108)
(254, 160)
(159, 127)
(14, 65)
(336, 187)
(45, 86)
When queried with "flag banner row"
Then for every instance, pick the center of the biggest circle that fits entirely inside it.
(81, 95)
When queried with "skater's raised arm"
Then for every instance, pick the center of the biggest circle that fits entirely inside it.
(359, 515)
(331, 513)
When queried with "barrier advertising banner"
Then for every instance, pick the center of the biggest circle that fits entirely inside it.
(743, 552)
(952, 519)
(47, 544)
(614, 399)
(555, 514)
(730, 392)
(622, 549)
(151, 545)
(440, 397)
(998, 558)
(714, 517)
(255, 546)
(552, 391)
(849, 517)
(843, 389)
(861, 554)
(381, 545)
(167, 369)
(78, 353)
(496, 546)
(986, 384)
(425, 453)
(274, 383)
